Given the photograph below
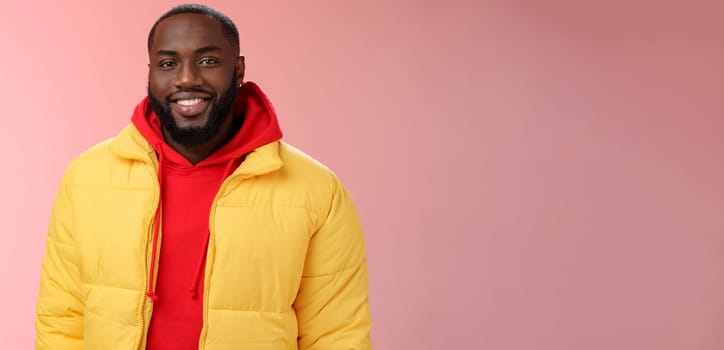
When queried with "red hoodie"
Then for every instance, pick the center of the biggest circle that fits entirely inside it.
(187, 192)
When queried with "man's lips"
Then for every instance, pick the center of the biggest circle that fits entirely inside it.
(189, 96)
(189, 104)
(190, 107)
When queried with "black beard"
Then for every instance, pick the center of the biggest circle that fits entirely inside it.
(194, 136)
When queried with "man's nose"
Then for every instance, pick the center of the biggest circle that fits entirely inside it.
(187, 76)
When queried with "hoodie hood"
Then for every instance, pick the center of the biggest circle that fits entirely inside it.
(260, 127)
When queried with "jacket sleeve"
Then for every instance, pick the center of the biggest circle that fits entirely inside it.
(332, 303)
(59, 317)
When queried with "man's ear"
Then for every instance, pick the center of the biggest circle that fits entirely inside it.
(240, 67)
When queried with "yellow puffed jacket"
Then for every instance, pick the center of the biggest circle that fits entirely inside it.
(285, 266)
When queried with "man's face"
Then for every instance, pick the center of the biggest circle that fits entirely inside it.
(193, 77)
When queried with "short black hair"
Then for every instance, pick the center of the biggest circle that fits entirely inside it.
(227, 25)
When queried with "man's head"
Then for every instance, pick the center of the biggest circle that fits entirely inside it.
(194, 72)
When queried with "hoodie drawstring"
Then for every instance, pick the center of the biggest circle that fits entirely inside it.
(156, 230)
(200, 266)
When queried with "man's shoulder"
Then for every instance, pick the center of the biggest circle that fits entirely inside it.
(299, 162)
(93, 156)
(99, 158)
(88, 166)
(304, 180)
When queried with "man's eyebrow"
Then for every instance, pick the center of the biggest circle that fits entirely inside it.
(165, 53)
(201, 50)
(207, 49)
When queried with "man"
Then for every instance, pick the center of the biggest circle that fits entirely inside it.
(196, 227)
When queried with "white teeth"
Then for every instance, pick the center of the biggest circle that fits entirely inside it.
(189, 102)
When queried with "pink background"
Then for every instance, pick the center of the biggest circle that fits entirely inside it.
(531, 175)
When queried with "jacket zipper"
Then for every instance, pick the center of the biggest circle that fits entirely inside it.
(141, 309)
(210, 255)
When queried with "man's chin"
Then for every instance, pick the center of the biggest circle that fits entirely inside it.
(189, 137)
(190, 124)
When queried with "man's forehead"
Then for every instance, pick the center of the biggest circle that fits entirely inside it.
(190, 29)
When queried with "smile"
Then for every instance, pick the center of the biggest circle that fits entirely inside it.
(190, 102)
(190, 107)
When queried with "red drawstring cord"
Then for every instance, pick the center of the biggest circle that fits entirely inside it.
(195, 288)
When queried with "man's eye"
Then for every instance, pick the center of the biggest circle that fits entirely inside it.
(166, 64)
(208, 61)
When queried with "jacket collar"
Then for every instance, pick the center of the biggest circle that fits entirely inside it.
(130, 144)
